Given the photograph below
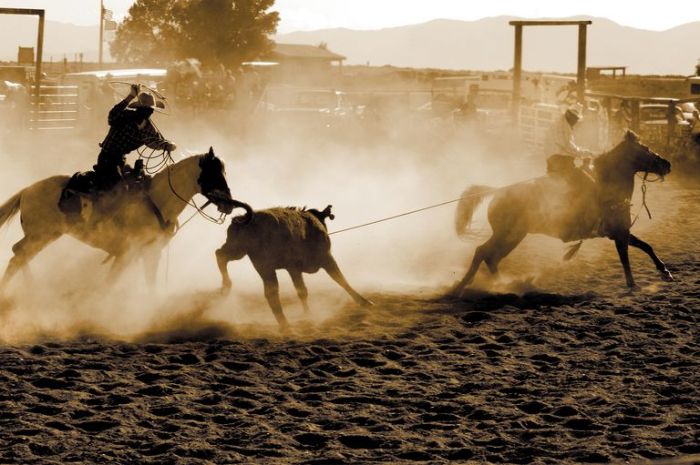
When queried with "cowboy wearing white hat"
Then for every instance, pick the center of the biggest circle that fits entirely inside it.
(562, 151)
(560, 136)
(129, 129)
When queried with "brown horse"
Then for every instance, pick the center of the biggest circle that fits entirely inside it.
(542, 206)
(126, 225)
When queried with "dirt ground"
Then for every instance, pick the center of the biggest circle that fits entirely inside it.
(570, 369)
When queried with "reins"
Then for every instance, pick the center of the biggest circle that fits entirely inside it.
(165, 160)
(199, 210)
(645, 179)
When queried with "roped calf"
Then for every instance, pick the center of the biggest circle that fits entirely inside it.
(283, 238)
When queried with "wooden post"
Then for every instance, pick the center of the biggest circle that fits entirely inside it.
(581, 74)
(635, 116)
(517, 72)
(671, 126)
(39, 59)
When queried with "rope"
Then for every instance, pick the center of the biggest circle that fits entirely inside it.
(430, 207)
(644, 197)
(397, 216)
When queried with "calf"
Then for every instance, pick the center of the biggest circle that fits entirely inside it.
(283, 238)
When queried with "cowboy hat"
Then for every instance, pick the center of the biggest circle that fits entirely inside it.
(146, 100)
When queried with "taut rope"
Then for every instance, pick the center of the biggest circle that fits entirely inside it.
(430, 207)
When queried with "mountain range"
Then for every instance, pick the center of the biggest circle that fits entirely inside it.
(485, 44)
(60, 39)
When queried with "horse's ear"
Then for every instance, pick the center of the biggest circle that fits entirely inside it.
(631, 136)
(210, 154)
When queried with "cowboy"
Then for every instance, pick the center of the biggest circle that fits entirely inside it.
(129, 129)
(562, 151)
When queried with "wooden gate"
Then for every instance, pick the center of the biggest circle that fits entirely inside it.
(55, 109)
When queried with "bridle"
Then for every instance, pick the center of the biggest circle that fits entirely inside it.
(198, 210)
(164, 160)
(645, 179)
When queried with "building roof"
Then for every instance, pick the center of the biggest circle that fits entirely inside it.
(305, 51)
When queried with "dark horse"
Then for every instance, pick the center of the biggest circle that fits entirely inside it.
(543, 206)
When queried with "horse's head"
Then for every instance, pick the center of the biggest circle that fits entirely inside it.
(642, 158)
(213, 185)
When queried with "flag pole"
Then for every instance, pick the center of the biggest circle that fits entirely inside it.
(102, 14)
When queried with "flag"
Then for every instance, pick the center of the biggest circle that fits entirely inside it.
(106, 14)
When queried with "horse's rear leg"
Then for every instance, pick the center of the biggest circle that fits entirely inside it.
(504, 248)
(480, 254)
(334, 272)
(302, 291)
(24, 250)
(661, 266)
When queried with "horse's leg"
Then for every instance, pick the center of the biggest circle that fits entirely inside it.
(622, 245)
(222, 260)
(505, 247)
(334, 272)
(302, 292)
(24, 250)
(272, 294)
(480, 254)
(151, 261)
(661, 266)
(118, 266)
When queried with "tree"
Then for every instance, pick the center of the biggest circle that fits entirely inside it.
(213, 31)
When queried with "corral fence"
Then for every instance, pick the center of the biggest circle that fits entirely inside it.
(55, 109)
(660, 122)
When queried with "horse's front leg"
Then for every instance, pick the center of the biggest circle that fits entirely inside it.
(117, 268)
(622, 245)
(151, 261)
(661, 266)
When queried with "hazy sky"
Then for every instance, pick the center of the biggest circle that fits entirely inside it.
(372, 14)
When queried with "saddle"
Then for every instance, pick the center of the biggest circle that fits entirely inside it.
(88, 185)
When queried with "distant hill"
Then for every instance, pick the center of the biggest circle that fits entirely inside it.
(59, 39)
(487, 44)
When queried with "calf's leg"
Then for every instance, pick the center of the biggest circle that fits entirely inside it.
(332, 269)
(222, 260)
(272, 294)
(302, 292)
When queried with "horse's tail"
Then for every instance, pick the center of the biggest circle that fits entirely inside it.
(470, 200)
(10, 208)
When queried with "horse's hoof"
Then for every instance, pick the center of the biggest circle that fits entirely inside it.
(666, 276)
(285, 330)
(455, 292)
(225, 289)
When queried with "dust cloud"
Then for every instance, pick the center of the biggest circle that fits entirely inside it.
(363, 176)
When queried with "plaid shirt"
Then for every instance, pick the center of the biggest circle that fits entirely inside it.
(124, 134)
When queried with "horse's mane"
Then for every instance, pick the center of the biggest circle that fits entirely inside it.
(603, 162)
(211, 160)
